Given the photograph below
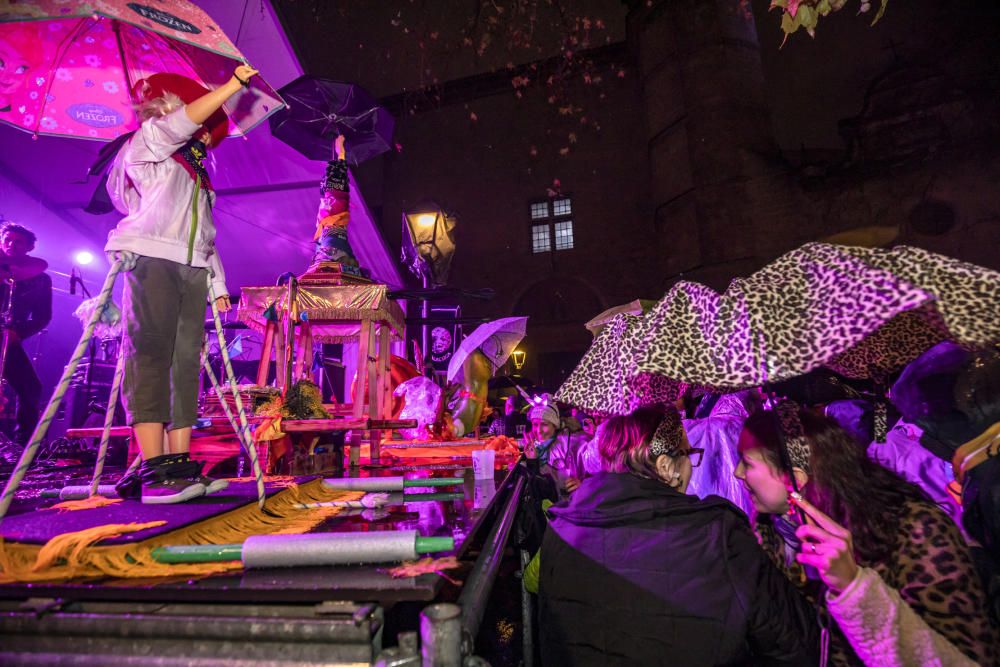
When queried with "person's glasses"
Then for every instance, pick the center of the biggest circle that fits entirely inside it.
(693, 453)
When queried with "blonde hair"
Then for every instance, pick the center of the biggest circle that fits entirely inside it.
(158, 106)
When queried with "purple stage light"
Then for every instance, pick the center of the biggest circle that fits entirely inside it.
(83, 257)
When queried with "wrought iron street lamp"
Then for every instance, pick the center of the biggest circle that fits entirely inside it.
(430, 231)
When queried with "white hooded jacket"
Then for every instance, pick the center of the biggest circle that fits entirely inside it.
(159, 199)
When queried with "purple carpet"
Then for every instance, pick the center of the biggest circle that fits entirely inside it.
(41, 525)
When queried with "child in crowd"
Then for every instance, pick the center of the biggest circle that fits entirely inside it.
(556, 449)
(158, 180)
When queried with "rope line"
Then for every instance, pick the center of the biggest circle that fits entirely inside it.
(124, 261)
(109, 417)
(247, 439)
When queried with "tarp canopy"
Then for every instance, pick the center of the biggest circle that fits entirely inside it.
(268, 193)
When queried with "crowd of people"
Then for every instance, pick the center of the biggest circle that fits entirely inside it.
(775, 525)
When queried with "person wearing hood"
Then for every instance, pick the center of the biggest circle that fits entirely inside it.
(635, 571)
(159, 182)
(901, 452)
(717, 430)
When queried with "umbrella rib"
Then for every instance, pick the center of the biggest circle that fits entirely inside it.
(60, 53)
(117, 27)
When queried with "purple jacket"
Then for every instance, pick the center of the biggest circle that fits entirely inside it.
(633, 572)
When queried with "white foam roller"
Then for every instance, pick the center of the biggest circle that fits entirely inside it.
(260, 551)
(81, 492)
(365, 483)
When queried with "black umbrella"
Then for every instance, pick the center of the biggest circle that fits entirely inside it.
(320, 109)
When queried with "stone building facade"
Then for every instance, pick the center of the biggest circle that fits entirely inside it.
(716, 153)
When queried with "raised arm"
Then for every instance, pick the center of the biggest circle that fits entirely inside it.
(203, 107)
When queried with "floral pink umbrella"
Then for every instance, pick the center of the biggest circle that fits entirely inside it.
(67, 67)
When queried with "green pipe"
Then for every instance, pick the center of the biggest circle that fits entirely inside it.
(426, 497)
(198, 553)
(429, 545)
(214, 553)
(432, 481)
(394, 499)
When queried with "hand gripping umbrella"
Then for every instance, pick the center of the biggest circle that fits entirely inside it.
(320, 109)
(69, 65)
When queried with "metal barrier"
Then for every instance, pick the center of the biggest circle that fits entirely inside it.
(479, 584)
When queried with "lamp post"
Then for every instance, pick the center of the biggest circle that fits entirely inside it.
(518, 357)
(428, 255)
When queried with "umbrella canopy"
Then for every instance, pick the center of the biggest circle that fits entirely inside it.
(70, 65)
(863, 313)
(860, 312)
(605, 382)
(637, 307)
(496, 339)
(320, 109)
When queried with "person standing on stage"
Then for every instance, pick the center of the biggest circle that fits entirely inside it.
(158, 180)
(31, 311)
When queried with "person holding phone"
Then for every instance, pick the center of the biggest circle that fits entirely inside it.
(877, 557)
(551, 443)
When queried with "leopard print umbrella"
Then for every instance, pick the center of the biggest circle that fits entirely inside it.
(861, 312)
(605, 383)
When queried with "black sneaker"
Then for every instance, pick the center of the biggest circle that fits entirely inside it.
(167, 491)
(167, 479)
(129, 487)
(212, 485)
(182, 466)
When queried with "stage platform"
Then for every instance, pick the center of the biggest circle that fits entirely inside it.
(354, 611)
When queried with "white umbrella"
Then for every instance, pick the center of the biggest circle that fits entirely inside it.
(496, 339)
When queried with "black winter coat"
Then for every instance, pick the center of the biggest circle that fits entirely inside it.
(635, 573)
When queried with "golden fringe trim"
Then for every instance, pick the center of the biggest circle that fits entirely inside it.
(84, 504)
(73, 555)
